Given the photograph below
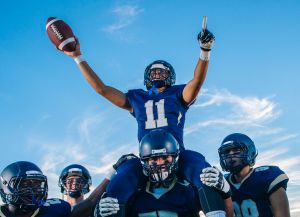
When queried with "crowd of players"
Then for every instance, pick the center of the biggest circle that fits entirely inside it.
(166, 179)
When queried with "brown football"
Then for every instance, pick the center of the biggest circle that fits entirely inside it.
(60, 34)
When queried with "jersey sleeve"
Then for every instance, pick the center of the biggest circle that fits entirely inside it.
(275, 178)
(179, 95)
(280, 180)
(130, 96)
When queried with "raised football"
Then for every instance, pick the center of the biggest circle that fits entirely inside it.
(60, 34)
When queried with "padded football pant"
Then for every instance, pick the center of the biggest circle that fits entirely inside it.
(130, 177)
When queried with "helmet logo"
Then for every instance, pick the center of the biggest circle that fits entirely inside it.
(159, 151)
(33, 172)
(74, 170)
(228, 142)
(159, 66)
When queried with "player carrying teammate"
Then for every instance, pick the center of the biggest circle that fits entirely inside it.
(163, 105)
(164, 193)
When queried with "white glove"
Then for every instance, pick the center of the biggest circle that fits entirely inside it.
(108, 206)
(213, 177)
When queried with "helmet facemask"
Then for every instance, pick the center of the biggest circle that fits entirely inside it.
(159, 74)
(26, 193)
(159, 77)
(234, 157)
(161, 174)
(75, 186)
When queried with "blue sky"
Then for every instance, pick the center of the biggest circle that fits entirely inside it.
(51, 116)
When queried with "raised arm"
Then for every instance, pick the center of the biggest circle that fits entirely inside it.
(86, 207)
(113, 95)
(206, 40)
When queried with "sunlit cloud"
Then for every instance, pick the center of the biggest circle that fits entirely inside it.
(125, 15)
(249, 111)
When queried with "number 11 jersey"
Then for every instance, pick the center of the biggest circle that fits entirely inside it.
(165, 110)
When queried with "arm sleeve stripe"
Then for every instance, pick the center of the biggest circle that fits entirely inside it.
(1, 213)
(36, 212)
(279, 179)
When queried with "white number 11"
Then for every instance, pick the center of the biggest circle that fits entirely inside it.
(161, 119)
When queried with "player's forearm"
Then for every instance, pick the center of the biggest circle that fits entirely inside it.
(95, 196)
(87, 206)
(193, 87)
(115, 96)
(92, 78)
(228, 207)
(199, 76)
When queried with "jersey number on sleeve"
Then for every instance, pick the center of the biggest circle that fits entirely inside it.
(248, 209)
(161, 121)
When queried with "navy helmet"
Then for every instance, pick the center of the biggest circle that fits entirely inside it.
(163, 65)
(23, 186)
(159, 143)
(247, 152)
(81, 187)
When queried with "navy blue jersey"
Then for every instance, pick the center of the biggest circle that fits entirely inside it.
(180, 200)
(52, 208)
(164, 110)
(251, 197)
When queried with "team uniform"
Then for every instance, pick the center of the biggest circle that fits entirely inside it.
(164, 193)
(180, 200)
(51, 208)
(251, 197)
(165, 110)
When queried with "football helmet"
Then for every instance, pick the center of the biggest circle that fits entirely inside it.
(75, 180)
(23, 186)
(244, 149)
(167, 74)
(159, 143)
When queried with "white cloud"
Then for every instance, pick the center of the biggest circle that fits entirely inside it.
(126, 15)
(92, 134)
(234, 110)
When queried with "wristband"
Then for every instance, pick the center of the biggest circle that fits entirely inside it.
(79, 59)
(204, 55)
(225, 195)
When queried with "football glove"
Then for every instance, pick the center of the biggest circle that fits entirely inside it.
(108, 206)
(206, 40)
(213, 177)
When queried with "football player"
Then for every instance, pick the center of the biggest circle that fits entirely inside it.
(74, 182)
(259, 191)
(165, 193)
(163, 105)
(88, 207)
(24, 188)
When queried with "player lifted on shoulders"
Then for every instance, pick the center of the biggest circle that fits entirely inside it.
(163, 105)
(259, 191)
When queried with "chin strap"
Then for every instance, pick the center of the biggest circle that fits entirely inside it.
(153, 89)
